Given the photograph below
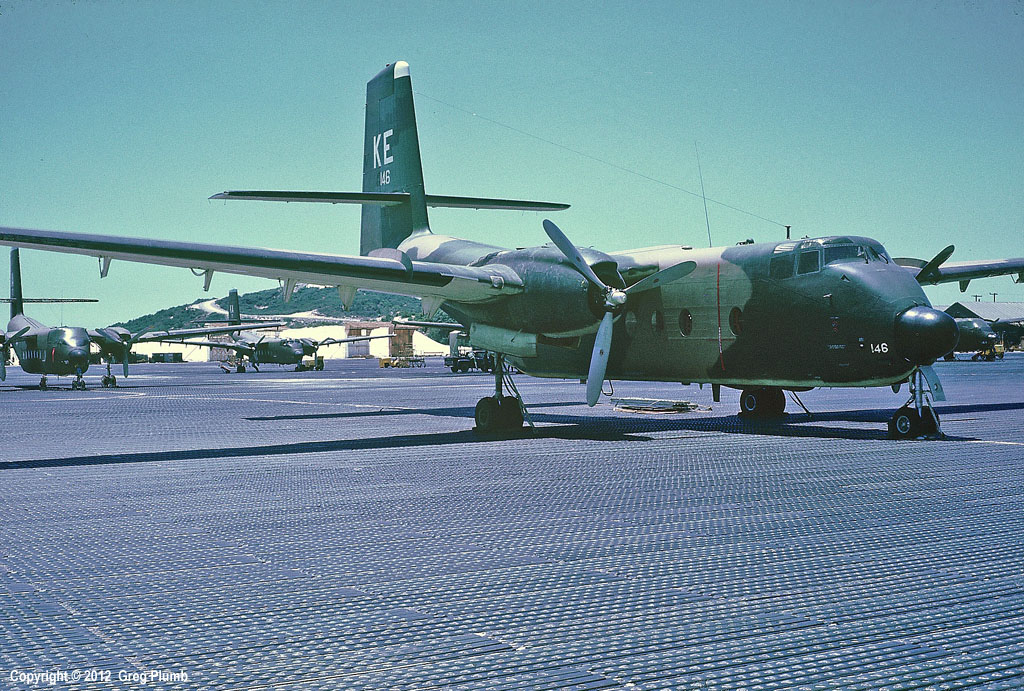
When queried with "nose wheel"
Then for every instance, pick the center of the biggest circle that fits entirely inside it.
(78, 384)
(501, 412)
(917, 417)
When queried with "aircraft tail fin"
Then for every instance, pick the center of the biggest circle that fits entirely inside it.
(17, 303)
(391, 161)
(234, 311)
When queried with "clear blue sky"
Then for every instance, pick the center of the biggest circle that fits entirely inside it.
(898, 120)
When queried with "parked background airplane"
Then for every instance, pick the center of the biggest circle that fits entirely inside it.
(764, 318)
(263, 350)
(976, 336)
(64, 350)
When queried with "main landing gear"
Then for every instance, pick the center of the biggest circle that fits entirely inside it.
(500, 412)
(109, 381)
(763, 402)
(42, 383)
(917, 417)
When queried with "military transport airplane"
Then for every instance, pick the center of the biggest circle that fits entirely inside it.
(976, 336)
(263, 350)
(830, 311)
(64, 350)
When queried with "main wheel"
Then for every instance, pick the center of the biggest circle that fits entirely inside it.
(750, 402)
(774, 402)
(904, 424)
(510, 414)
(487, 414)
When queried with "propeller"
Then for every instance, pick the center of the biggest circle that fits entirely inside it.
(5, 349)
(614, 298)
(126, 351)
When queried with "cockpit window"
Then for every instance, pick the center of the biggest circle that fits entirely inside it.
(809, 262)
(781, 267)
(852, 254)
(846, 254)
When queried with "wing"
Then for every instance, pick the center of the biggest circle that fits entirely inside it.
(240, 348)
(352, 339)
(939, 271)
(202, 331)
(384, 274)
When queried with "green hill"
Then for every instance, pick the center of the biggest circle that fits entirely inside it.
(367, 305)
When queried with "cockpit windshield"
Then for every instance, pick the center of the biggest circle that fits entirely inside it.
(853, 254)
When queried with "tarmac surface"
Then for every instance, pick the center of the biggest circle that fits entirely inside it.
(346, 529)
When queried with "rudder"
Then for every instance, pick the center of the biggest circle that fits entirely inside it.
(391, 161)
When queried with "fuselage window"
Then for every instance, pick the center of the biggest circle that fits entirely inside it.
(685, 323)
(781, 267)
(736, 320)
(657, 322)
(809, 262)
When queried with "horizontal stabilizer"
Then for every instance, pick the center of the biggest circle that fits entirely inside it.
(390, 199)
(483, 203)
(51, 300)
(373, 198)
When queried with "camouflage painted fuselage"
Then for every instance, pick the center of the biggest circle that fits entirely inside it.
(44, 350)
(796, 314)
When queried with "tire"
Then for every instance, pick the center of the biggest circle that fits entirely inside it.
(487, 414)
(927, 422)
(750, 402)
(904, 424)
(510, 414)
(774, 402)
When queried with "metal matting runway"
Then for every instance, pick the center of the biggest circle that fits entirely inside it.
(346, 530)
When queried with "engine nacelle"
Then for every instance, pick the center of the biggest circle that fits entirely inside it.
(556, 299)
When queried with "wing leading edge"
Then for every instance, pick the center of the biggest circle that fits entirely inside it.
(939, 271)
(389, 275)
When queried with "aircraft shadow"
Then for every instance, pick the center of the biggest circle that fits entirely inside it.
(554, 426)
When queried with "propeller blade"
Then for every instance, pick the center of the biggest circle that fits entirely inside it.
(572, 254)
(599, 359)
(3, 362)
(656, 280)
(932, 266)
(126, 353)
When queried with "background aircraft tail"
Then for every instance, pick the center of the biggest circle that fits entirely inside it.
(234, 312)
(391, 161)
(17, 299)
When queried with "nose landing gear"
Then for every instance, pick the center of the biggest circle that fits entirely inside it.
(501, 412)
(917, 417)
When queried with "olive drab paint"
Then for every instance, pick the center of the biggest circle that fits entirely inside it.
(391, 162)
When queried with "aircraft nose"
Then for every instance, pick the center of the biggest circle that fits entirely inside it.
(924, 334)
(78, 359)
